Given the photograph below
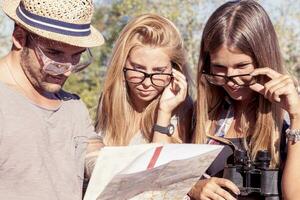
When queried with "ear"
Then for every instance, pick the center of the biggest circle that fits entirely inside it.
(19, 37)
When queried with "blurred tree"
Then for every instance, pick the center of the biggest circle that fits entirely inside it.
(287, 28)
(4, 35)
(111, 17)
(189, 16)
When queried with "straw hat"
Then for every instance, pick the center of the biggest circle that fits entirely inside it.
(66, 21)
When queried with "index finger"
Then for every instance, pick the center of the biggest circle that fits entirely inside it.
(266, 71)
(177, 73)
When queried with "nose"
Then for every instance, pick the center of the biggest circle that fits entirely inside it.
(231, 72)
(67, 73)
(147, 82)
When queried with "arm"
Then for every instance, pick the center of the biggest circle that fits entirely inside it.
(94, 146)
(172, 96)
(291, 173)
(280, 89)
(164, 119)
(1, 125)
(93, 143)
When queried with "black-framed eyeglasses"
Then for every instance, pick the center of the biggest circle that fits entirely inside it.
(240, 80)
(157, 79)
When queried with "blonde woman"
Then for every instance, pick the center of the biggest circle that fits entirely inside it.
(243, 92)
(145, 94)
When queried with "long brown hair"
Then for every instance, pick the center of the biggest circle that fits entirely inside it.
(242, 25)
(116, 116)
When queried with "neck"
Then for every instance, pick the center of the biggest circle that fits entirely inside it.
(139, 106)
(245, 115)
(16, 78)
(242, 106)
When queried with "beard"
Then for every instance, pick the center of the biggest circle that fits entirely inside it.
(36, 76)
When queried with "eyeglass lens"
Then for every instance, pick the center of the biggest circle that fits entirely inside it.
(55, 63)
(241, 80)
(157, 79)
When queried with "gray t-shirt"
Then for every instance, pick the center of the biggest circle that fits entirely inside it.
(42, 150)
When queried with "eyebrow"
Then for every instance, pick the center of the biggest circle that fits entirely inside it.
(159, 68)
(244, 63)
(217, 64)
(50, 49)
(60, 51)
(136, 64)
(80, 52)
(235, 65)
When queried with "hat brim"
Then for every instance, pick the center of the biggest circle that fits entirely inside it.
(94, 39)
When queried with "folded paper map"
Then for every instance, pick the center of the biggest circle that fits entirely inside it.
(151, 171)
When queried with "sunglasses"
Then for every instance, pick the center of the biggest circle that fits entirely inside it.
(82, 60)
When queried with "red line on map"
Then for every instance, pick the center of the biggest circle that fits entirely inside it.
(154, 157)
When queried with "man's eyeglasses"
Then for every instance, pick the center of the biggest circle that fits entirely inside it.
(243, 80)
(52, 67)
(157, 79)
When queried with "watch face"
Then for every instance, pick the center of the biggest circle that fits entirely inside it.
(171, 129)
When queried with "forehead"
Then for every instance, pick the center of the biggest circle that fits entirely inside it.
(149, 56)
(229, 56)
(52, 44)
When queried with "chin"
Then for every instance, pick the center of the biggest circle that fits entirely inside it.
(52, 88)
(146, 99)
(237, 98)
(239, 95)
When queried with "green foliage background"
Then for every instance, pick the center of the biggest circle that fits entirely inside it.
(189, 16)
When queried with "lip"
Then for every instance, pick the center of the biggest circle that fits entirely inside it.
(145, 92)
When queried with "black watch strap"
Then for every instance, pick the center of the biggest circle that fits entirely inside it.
(169, 130)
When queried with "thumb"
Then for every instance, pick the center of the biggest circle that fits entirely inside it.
(166, 90)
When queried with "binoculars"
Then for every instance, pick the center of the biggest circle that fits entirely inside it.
(253, 178)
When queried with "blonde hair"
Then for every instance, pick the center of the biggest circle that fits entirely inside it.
(242, 25)
(116, 116)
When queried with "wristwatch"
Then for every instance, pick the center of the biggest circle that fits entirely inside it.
(169, 130)
(293, 135)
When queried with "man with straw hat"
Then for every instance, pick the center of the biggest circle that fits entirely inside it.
(44, 130)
